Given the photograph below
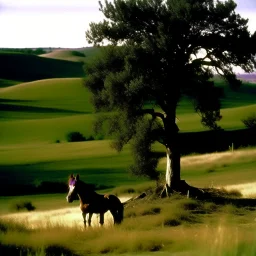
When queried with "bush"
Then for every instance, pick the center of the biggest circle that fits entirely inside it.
(75, 137)
(90, 138)
(78, 54)
(23, 205)
(250, 121)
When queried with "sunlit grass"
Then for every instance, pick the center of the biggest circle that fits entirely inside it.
(218, 169)
(43, 112)
(63, 55)
(175, 225)
(97, 163)
(58, 93)
(70, 55)
(231, 119)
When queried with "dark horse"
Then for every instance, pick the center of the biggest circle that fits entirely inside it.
(92, 202)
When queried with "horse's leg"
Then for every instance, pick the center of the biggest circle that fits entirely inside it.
(90, 218)
(114, 215)
(84, 217)
(101, 218)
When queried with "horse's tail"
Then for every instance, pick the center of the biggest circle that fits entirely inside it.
(117, 209)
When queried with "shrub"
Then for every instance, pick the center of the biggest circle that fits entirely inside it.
(99, 137)
(75, 137)
(250, 121)
(23, 205)
(90, 138)
(78, 54)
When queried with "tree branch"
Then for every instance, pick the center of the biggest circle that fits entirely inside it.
(153, 113)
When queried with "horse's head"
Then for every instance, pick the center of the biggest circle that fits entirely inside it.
(73, 188)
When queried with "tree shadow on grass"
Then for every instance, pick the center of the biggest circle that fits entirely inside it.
(20, 108)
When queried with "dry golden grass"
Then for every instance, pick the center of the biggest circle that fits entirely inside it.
(218, 158)
(171, 225)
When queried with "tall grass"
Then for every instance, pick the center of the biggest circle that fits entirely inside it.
(174, 225)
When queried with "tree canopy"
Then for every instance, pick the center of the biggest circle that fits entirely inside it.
(158, 51)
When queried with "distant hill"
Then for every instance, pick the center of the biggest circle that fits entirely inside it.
(77, 55)
(69, 55)
(26, 67)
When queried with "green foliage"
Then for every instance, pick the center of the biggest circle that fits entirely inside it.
(75, 137)
(77, 53)
(250, 121)
(36, 51)
(187, 39)
(145, 161)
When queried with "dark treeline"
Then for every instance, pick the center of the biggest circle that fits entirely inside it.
(216, 141)
(35, 51)
(45, 187)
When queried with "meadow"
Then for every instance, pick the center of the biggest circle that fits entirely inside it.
(37, 113)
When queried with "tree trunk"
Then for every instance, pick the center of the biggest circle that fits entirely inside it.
(172, 168)
(173, 157)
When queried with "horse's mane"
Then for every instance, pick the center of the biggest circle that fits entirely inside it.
(87, 186)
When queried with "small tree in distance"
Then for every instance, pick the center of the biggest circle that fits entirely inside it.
(158, 51)
(250, 121)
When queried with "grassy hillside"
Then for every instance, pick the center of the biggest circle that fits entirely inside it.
(35, 118)
(62, 54)
(245, 95)
(29, 111)
(61, 94)
(6, 83)
(37, 114)
(44, 111)
(25, 67)
(231, 119)
(77, 55)
(97, 163)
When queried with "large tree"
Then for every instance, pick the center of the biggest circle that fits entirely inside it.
(158, 51)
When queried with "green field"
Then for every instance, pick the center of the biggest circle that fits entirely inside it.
(26, 67)
(37, 114)
(77, 55)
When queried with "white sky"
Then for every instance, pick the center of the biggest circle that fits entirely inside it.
(62, 23)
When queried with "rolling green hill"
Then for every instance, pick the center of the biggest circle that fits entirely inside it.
(62, 54)
(25, 67)
(29, 111)
(77, 55)
(53, 101)
(63, 94)
(6, 83)
(44, 111)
